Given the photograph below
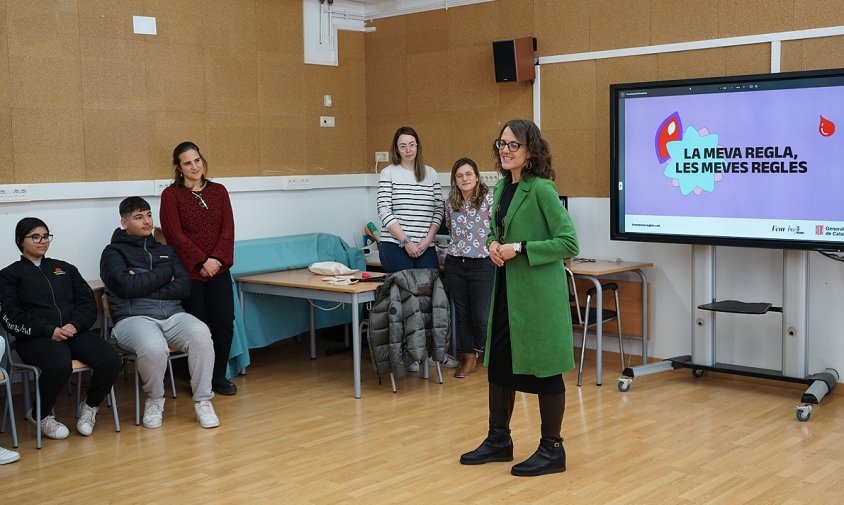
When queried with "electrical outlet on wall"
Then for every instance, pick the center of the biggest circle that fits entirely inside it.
(382, 156)
(489, 178)
(14, 193)
(296, 182)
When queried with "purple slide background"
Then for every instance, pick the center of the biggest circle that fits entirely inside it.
(759, 118)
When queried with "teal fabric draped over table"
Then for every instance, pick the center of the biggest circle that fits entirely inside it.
(273, 318)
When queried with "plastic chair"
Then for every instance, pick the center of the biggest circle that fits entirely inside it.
(585, 317)
(77, 366)
(9, 407)
(129, 356)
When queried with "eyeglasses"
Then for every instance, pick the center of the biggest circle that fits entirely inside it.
(201, 201)
(469, 175)
(407, 147)
(48, 237)
(511, 146)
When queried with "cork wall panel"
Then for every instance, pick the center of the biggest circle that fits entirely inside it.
(380, 130)
(166, 131)
(386, 86)
(174, 79)
(515, 18)
(341, 148)
(279, 27)
(4, 63)
(471, 79)
(233, 144)
(614, 24)
(673, 21)
(569, 96)
(228, 24)
(823, 53)
(352, 47)
(434, 131)
(178, 22)
(278, 136)
(46, 16)
(116, 145)
(388, 40)
(113, 75)
(690, 64)
(108, 18)
(746, 17)
(817, 13)
(573, 155)
(428, 32)
(476, 24)
(31, 54)
(48, 145)
(791, 56)
(561, 26)
(602, 163)
(231, 80)
(428, 87)
(281, 84)
(515, 100)
(748, 59)
(7, 160)
(472, 137)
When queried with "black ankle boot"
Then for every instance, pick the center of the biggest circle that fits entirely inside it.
(498, 446)
(550, 457)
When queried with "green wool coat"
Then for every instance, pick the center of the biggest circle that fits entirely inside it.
(537, 290)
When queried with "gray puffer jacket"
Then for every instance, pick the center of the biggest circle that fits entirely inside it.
(410, 315)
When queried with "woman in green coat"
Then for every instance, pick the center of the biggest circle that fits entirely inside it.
(529, 342)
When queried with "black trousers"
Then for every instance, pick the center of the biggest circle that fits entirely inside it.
(470, 287)
(213, 302)
(53, 358)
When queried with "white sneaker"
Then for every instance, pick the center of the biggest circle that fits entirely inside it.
(450, 361)
(413, 367)
(153, 413)
(7, 456)
(205, 414)
(87, 419)
(50, 428)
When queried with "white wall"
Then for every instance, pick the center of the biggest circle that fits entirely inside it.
(83, 227)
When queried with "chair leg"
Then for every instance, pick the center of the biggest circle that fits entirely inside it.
(583, 344)
(620, 337)
(37, 412)
(113, 401)
(137, 396)
(172, 377)
(78, 393)
(439, 373)
(9, 409)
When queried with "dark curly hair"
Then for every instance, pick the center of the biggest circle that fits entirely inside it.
(528, 134)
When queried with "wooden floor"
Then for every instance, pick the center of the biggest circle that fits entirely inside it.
(295, 434)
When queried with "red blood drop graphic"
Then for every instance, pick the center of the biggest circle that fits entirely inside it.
(670, 129)
(826, 127)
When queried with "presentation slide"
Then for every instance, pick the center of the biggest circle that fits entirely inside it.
(754, 163)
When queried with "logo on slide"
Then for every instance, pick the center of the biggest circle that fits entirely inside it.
(674, 145)
(826, 127)
(819, 229)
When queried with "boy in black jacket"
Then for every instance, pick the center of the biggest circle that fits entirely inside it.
(49, 309)
(145, 283)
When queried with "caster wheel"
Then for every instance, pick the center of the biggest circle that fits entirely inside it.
(804, 413)
(697, 372)
(624, 385)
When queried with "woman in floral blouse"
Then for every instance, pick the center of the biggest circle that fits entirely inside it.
(468, 269)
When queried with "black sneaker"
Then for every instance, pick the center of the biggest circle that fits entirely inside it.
(224, 387)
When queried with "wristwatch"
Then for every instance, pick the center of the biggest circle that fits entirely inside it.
(518, 247)
(404, 241)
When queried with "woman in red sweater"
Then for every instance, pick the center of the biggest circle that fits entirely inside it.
(197, 221)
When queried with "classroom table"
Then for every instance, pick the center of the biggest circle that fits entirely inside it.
(302, 283)
(592, 271)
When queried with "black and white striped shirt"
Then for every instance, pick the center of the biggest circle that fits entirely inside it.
(414, 205)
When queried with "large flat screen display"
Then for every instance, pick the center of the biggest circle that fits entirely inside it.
(744, 161)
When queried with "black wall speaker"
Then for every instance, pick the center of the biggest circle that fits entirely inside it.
(514, 59)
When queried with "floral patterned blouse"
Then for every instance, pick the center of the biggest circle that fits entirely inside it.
(469, 228)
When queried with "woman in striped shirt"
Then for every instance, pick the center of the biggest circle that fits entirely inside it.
(410, 206)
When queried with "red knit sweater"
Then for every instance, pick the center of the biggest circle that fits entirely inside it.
(196, 232)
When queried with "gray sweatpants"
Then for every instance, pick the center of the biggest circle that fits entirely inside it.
(149, 339)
